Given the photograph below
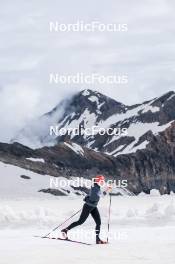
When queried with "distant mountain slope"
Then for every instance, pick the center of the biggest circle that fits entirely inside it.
(89, 108)
(26, 173)
(145, 156)
(152, 167)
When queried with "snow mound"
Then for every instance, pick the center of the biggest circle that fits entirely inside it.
(154, 192)
(128, 211)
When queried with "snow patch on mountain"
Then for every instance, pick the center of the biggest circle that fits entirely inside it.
(151, 108)
(123, 116)
(131, 149)
(116, 150)
(85, 92)
(171, 97)
(139, 129)
(88, 119)
(94, 99)
(75, 147)
(36, 160)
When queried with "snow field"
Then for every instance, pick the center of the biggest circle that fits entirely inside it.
(147, 223)
(128, 211)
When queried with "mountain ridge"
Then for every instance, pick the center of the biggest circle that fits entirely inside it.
(150, 168)
(90, 108)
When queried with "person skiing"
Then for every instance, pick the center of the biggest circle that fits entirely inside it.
(90, 207)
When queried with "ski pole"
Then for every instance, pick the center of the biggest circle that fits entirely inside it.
(109, 216)
(61, 224)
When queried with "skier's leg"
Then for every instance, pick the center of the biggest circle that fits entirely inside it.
(96, 216)
(84, 215)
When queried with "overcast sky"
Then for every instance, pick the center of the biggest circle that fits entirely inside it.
(29, 52)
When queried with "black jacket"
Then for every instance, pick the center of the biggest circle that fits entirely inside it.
(93, 197)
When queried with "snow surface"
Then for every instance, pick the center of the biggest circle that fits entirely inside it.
(142, 231)
(14, 186)
(142, 228)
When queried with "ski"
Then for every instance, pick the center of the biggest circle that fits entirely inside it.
(68, 240)
(74, 241)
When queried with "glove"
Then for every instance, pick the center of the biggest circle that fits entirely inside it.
(109, 189)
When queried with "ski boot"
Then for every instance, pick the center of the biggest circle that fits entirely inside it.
(99, 241)
(64, 233)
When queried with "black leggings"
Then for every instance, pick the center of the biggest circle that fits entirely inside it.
(86, 211)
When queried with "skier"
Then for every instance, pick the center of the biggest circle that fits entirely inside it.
(90, 207)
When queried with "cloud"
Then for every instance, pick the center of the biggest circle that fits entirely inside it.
(29, 52)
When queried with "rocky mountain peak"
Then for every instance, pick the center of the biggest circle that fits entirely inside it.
(96, 102)
(145, 155)
(164, 98)
(89, 108)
